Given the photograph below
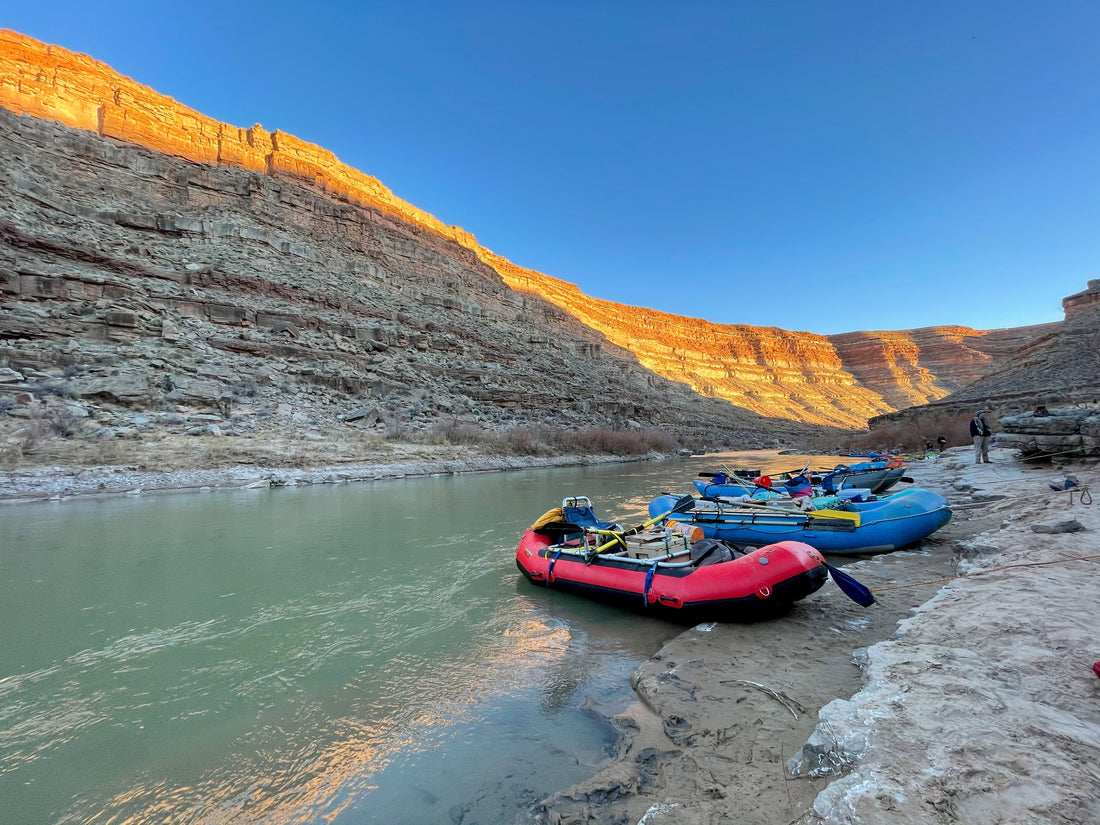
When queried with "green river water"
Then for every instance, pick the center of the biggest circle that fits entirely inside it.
(364, 653)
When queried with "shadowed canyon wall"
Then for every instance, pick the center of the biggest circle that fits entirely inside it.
(839, 379)
(1059, 368)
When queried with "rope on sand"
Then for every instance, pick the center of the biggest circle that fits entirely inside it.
(1038, 456)
(1083, 489)
(983, 573)
(1086, 496)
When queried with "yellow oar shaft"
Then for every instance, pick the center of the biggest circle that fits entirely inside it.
(684, 503)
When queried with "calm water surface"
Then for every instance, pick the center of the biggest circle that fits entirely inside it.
(354, 654)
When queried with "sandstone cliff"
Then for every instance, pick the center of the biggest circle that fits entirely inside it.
(140, 280)
(1063, 365)
(1060, 367)
(208, 193)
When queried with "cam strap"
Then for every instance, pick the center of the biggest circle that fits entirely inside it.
(550, 569)
(648, 582)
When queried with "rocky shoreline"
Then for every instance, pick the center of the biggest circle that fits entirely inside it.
(57, 483)
(965, 695)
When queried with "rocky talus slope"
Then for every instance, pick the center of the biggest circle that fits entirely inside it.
(199, 295)
(208, 208)
(1063, 365)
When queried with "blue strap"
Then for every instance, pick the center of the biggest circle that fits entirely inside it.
(648, 582)
(550, 569)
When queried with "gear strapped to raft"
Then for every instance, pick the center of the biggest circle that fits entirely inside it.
(648, 582)
(550, 568)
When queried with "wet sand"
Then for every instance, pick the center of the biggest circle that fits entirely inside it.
(981, 707)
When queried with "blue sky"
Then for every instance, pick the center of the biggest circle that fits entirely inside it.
(825, 166)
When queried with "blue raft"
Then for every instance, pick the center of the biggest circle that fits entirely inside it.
(885, 524)
(720, 485)
(871, 475)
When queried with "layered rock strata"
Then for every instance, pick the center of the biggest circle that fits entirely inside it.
(1062, 432)
(1061, 366)
(921, 365)
(137, 280)
(802, 376)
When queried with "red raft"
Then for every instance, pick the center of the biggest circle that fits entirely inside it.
(668, 575)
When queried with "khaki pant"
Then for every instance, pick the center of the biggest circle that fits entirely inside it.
(981, 449)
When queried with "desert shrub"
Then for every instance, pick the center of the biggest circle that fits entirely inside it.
(51, 389)
(397, 429)
(537, 439)
(542, 440)
(109, 451)
(44, 426)
(912, 433)
(60, 421)
(529, 441)
(33, 436)
(10, 455)
(246, 388)
(623, 442)
(454, 431)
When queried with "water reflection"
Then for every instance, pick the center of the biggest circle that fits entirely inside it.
(353, 654)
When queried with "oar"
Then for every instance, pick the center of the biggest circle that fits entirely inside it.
(858, 593)
(683, 505)
(734, 474)
(837, 514)
(794, 473)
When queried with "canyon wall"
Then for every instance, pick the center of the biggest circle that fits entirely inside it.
(840, 379)
(140, 290)
(1058, 369)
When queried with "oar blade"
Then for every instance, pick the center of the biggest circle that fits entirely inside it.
(682, 506)
(853, 589)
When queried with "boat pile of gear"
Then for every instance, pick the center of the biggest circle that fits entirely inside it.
(746, 547)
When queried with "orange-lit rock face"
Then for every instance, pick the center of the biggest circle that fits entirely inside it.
(840, 379)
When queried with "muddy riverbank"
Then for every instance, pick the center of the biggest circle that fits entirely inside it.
(964, 695)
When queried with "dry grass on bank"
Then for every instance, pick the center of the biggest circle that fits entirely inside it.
(551, 441)
(162, 451)
(41, 442)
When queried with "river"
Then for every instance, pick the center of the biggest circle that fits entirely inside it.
(362, 653)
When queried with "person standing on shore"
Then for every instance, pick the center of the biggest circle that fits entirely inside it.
(980, 431)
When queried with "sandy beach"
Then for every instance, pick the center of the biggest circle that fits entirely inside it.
(966, 694)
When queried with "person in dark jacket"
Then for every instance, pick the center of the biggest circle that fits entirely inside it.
(981, 432)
